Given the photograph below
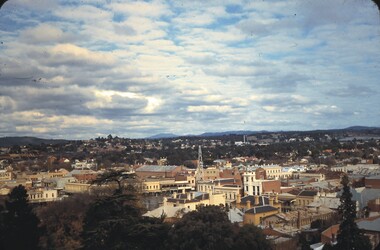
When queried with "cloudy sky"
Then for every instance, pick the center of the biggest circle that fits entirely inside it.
(82, 69)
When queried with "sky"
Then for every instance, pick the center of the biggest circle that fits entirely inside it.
(82, 69)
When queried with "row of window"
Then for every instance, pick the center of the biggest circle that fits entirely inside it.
(38, 196)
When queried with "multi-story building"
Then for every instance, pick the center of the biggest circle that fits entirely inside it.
(42, 195)
(272, 171)
(210, 173)
(178, 184)
(192, 200)
(226, 186)
(258, 186)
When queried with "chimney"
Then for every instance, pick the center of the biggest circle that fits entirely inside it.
(271, 199)
(188, 196)
(248, 204)
(276, 198)
(238, 199)
(257, 200)
(299, 219)
(183, 191)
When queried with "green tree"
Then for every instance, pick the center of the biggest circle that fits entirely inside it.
(20, 224)
(115, 221)
(119, 177)
(210, 228)
(206, 228)
(250, 237)
(62, 222)
(108, 222)
(349, 235)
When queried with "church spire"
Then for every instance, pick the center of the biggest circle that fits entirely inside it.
(199, 175)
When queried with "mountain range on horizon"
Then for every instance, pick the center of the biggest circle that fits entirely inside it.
(29, 140)
(248, 132)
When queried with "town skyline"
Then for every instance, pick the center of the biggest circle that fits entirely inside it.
(85, 69)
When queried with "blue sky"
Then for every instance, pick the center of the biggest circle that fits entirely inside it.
(82, 69)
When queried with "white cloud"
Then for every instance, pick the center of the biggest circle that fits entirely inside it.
(86, 68)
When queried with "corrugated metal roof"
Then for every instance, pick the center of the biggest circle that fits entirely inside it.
(261, 209)
(156, 168)
(370, 225)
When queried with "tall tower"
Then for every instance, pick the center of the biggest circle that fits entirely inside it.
(199, 174)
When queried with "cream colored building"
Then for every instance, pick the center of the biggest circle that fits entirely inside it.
(221, 186)
(273, 171)
(5, 175)
(151, 186)
(192, 200)
(305, 197)
(75, 187)
(157, 185)
(316, 176)
(42, 195)
(210, 173)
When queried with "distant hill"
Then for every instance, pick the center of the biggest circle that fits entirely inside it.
(239, 132)
(360, 128)
(21, 141)
(250, 132)
(162, 136)
(207, 134)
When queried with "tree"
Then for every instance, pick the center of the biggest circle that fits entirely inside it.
(62, 222)
(115, 221)
(210, 228)
(250, 237)
(349, 235)
(108, 222)
(206, 228)
(20, 224)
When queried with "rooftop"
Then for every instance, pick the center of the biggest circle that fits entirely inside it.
(156, 168)
(261, 209)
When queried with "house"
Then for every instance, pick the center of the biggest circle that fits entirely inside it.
(191, 200)
(251, 201)
(256, 214)
(305, 197)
